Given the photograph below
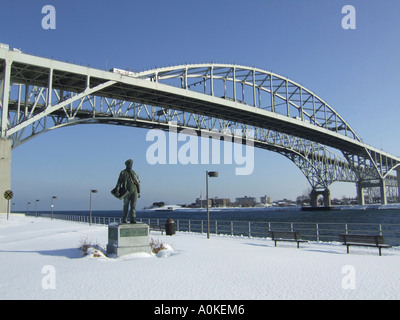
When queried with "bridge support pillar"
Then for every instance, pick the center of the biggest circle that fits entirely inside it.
(398, 185)
(382, 186)
(314, 197)
(5, 172)
(360, 194)
(327, 198)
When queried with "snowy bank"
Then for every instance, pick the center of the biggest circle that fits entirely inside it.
(40, 259)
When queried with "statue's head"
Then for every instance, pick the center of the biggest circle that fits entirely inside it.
(129, 163)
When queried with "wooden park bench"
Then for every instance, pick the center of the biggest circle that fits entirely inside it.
(157, 227)
(286, 236)
(363, 241)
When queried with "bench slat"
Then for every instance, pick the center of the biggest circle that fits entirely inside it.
(285, 235)
(362, 238)
(367, 244)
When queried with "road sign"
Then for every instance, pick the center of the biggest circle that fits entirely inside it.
(8, 195)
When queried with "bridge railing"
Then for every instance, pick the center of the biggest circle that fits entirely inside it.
(311, 231)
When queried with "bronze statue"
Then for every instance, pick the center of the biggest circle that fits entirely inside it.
(128, 189)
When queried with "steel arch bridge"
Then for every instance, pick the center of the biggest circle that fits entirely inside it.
(39, 94)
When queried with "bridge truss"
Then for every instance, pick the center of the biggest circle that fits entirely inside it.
(39, 94)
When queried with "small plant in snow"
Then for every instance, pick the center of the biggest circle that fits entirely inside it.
(91, 249)
(156, 246)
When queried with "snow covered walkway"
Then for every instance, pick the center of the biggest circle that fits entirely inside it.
(40, 259)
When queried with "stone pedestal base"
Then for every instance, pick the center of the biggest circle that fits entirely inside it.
(125, 239)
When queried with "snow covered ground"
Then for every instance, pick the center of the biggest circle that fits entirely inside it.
(40, 259)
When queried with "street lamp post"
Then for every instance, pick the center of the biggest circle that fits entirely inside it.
(209, 174)
(90, 210)
(36, 202)
(52, 206)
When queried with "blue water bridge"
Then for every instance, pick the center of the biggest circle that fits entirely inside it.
(39, 94)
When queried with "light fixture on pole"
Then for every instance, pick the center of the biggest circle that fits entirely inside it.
(52, 206)
(212, 174)
(90, 210)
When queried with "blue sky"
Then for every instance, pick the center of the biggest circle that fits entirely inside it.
(356, 71)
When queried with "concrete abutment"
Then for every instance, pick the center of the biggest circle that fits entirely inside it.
(325, 193)
(5, 172)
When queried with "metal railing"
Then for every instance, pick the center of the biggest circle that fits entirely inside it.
(309, 230)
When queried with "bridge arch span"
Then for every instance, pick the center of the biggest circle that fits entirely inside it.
(253, 87)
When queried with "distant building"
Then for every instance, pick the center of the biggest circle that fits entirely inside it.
(221, 202)
(265, 200)
(202, 203)
(214, 202)
(246, 201)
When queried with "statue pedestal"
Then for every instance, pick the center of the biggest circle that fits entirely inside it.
(128, 238)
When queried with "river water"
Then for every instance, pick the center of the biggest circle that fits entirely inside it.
(313, 225)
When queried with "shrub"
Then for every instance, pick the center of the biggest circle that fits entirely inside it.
(88, 248)
(156, 246)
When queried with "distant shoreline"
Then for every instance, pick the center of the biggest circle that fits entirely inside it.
(394, 206)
